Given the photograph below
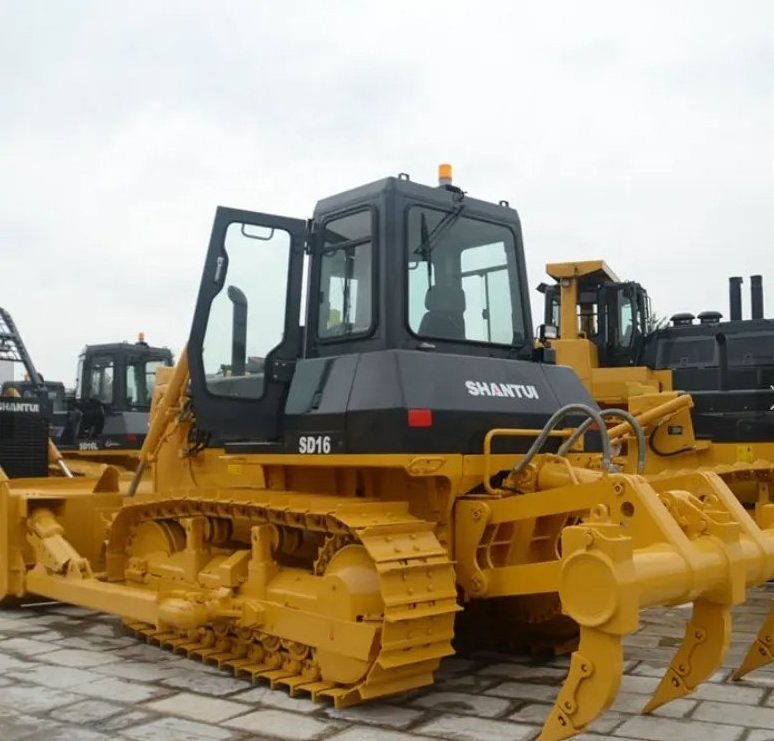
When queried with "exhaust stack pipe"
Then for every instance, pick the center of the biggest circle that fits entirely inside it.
(756, 296)
(239, 331)
(735, 298)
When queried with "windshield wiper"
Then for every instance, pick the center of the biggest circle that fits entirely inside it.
(349, 270)
(430, 238)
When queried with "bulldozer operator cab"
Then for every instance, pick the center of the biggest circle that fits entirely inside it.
(120, 376)
(113, 395)
(610, 313)
(415, 317)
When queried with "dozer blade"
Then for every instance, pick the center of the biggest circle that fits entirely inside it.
(762, 650)
(706, 641)
(591, 685)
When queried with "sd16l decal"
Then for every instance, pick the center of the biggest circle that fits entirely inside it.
(493, 388)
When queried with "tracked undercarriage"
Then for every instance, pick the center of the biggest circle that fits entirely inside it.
(352, 599)
(362, 606)
(341, 599)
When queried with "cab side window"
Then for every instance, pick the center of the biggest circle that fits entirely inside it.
(247, 317)
(101, 379)
(346, 277)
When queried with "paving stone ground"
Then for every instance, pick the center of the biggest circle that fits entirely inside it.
(71, 674)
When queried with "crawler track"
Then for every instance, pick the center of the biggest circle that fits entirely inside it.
(416, 585)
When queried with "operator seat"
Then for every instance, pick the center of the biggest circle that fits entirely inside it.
(444, 318)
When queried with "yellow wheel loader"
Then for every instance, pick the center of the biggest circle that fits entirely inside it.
(328, 495)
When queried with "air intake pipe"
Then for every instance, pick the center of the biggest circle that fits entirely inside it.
(735, 298)
(756, 296)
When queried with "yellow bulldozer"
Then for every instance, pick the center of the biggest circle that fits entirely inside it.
(319, 499)
(703, 391)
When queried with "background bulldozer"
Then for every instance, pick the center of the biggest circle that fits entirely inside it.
(329, 494)
(103, 421)
(107, 417)
(603, 328)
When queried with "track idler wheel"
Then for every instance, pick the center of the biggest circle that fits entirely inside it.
(350, 589)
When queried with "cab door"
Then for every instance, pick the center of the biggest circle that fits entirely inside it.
(246, 332)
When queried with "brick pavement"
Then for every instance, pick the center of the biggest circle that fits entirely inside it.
(70, 674)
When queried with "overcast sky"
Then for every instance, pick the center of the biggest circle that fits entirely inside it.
(640, 133)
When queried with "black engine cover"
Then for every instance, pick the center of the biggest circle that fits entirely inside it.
(363, 403)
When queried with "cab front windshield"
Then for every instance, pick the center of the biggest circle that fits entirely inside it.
(463, 282)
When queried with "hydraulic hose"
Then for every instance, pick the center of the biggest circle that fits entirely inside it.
(593, 414)
(630, 418)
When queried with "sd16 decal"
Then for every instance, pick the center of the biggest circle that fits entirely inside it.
(315, 444)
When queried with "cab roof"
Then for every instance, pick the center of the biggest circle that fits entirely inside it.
(597, 271)
(439, 196)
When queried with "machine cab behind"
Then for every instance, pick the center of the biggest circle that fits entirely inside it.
(113, 395)
(589, 302)
(120, 376)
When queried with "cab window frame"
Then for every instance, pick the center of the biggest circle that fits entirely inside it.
(243, 219)
(130, 365)
(93, 366)
(316, 283)
(467, 213)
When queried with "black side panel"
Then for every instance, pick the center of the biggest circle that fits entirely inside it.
(321, 385)
(728, 368)
(318, 399)
(734, 416)
(694, 348)
(361, 404)
(231, 417)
